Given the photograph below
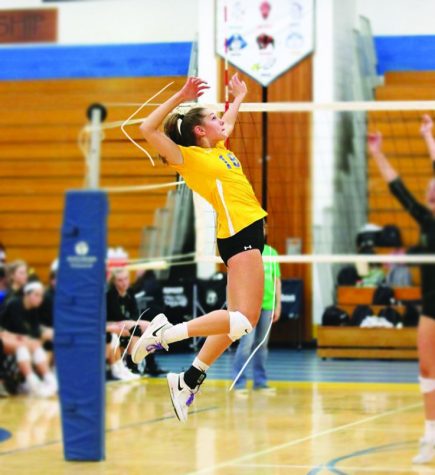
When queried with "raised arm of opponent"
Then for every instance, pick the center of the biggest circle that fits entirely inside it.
(374, 144)
(426, 132)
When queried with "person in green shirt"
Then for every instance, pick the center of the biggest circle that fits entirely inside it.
(270, 309)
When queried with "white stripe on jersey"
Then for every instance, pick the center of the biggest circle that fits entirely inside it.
(221, 195)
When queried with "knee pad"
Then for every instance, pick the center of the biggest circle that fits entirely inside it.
(427, 385)
(239, 325)
(22, 354)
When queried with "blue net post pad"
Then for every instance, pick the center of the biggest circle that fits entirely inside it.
(79, 321)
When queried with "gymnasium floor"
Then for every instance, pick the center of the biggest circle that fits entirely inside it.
(327, 417)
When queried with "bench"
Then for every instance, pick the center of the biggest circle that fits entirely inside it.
(370, 343)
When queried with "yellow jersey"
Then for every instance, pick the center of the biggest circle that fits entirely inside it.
(217, 176)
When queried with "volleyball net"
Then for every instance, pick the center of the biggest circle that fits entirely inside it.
(311, 168)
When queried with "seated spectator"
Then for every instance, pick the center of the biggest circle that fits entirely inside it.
(398, 274)
(148, 290)
(20, 327)
(2, 255)
(21, 313)
(3, 286)
(17, 275)
(373, 273)
(374, 277)
(121, 304)
(122, 307)
(29, 355)
(46, 311)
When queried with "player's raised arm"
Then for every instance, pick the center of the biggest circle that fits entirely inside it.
(238, 90)
(150, 127)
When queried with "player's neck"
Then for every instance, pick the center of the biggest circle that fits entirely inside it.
(205, 142)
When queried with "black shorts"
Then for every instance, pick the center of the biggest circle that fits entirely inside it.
(251, 237)
(428, 309)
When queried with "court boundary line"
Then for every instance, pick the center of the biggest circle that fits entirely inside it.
(427, 469)
(291, 443)
(332, 464)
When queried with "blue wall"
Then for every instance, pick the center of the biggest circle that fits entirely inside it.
(405, 53)
(395, 53)
(132, 60)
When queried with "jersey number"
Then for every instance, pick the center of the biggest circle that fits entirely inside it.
(230, 161)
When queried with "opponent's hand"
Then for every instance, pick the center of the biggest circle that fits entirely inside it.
(426, 125)
(374, 143)
(193, 88)
(237, 87)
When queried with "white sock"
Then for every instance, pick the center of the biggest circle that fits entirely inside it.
(429, 430)
(198, 364)
(176, 333)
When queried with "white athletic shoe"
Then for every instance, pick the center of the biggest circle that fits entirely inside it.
(35, 387)
(426, 452)
(241, 393)
(50, 379)
(3, 390)
(120, 371)
(181, 395)
(265, 389)
(151, 339)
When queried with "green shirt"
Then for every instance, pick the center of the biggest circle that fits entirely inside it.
(271, 272)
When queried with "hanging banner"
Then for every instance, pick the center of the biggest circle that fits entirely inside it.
(28, 26)
(264, 38)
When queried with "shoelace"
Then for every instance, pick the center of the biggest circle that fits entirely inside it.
(190, 399)
(154, 347)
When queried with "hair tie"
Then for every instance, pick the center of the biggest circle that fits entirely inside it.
(179, 120)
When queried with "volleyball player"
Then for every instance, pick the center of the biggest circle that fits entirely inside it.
(193, 144)
(425, 217)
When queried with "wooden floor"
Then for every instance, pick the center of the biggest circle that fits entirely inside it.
(306, 428)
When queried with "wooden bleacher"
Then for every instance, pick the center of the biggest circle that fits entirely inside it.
(367, 343)
(40, 160)
(407, 152)
(374, 343)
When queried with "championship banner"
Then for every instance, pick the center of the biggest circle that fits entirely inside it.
(264, 39)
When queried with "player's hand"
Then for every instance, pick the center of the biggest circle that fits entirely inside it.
(426, 125)
(276, 314)
(374, 143)
(237, 87)
(193, 88)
